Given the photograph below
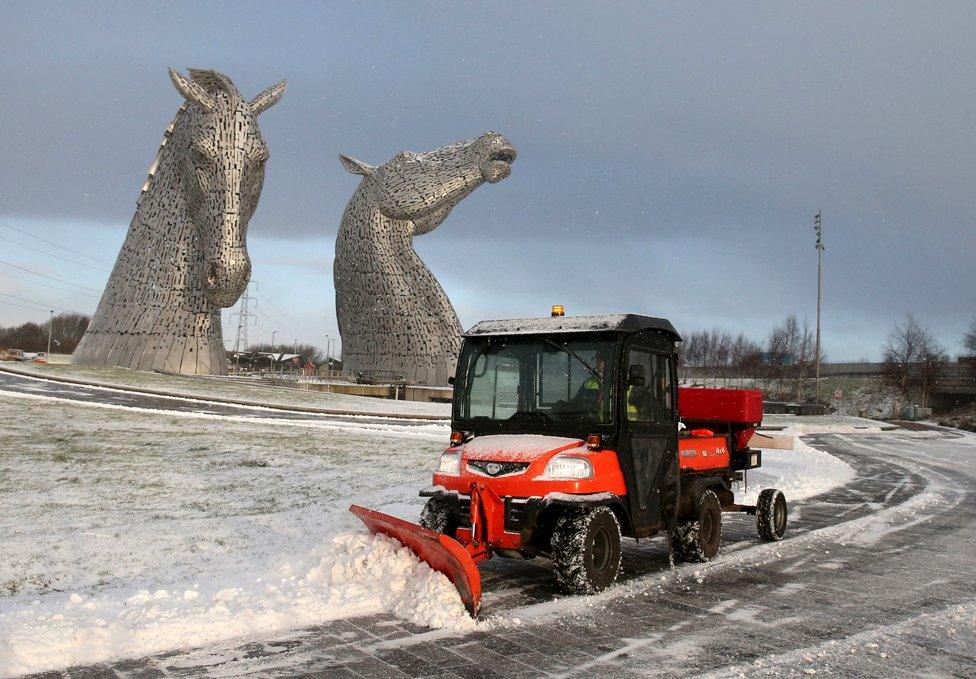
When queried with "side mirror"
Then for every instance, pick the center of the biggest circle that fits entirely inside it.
(636, 377)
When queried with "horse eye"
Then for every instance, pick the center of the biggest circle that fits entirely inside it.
(200, 155)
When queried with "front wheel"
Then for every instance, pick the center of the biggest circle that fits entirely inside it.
(586, 550)
(437, 516)
(698, 539)
(771, 515)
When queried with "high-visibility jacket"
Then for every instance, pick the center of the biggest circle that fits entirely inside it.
(592, 384)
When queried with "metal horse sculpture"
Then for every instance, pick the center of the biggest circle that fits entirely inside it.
(185, 256)
(394, 318)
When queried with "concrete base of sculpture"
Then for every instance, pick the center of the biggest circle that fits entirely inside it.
(394, 318)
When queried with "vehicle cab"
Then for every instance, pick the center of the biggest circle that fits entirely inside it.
(566, 411)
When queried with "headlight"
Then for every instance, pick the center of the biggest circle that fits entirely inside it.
(450, 464)
(565, 467)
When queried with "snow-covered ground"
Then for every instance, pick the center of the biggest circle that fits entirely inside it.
(235, 389)
(823, 424)
(128, 533)
(800, 473)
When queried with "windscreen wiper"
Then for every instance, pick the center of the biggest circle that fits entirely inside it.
(563, 347)
(474, 362)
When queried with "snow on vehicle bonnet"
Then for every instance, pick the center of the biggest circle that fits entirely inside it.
(516, 447)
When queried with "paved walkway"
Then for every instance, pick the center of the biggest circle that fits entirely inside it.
(874, 580)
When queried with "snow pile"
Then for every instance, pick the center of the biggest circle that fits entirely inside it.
(800, 473)
(355, 574)
(378, 571)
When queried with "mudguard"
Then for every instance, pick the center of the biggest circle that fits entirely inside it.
(442, 553)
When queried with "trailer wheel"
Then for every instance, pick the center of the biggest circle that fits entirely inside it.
(699, 538)
(771, 515)
(586, 549)
(437, 516)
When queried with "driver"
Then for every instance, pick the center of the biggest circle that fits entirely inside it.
(593, 396)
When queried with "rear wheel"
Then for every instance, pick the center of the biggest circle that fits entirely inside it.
(586, 550)
(771, 515)
(437, 516)
(698, 539)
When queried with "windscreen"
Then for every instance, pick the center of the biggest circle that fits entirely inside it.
(544, 380)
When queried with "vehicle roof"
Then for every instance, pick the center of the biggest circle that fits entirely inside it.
(623, 323)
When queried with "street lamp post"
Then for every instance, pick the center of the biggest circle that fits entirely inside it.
(818, 229)
(50, 331)
(328, 352)
(273, 333)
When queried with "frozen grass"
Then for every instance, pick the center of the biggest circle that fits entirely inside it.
(110, 517)
(230, 389)
(93, 498)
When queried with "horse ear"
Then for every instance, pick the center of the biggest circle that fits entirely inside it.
(356, 166)
(268, 98)
(191, 91)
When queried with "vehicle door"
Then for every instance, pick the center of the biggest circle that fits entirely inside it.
(649, 418)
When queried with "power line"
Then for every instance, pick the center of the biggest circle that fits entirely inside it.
(67, 259)
(284, 329)
(299, 324)
(44, 275)
(51, 242)
(47, 285)
(40, 304)
(21, 306)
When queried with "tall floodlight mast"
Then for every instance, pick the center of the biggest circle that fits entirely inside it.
(818, 229)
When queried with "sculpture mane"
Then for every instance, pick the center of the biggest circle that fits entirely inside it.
(394, 318)
(185, 255)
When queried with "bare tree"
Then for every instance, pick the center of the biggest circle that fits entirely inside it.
(745, 356)
(912, 357)
(67, 331)
(969, 340)
(782, 349)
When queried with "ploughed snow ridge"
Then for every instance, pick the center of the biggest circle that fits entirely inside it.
(354, 573)
(800, 473)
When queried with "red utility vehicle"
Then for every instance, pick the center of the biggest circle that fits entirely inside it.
(569, 433)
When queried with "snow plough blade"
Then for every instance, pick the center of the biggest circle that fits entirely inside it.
(442, 553)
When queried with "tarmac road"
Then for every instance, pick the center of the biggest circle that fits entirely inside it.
(875, 579)
(119, 396)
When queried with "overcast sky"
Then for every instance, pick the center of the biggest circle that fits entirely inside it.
(671, 157)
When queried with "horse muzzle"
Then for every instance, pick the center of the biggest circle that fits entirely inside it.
(498, 158)
(226, 279)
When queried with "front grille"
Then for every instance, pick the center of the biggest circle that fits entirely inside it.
(494, 469)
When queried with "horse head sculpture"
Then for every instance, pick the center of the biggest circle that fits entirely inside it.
(185, 256)
(222, 174)
(394, 318)
(422, 188)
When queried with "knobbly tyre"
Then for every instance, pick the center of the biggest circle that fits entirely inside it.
(570, 433)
